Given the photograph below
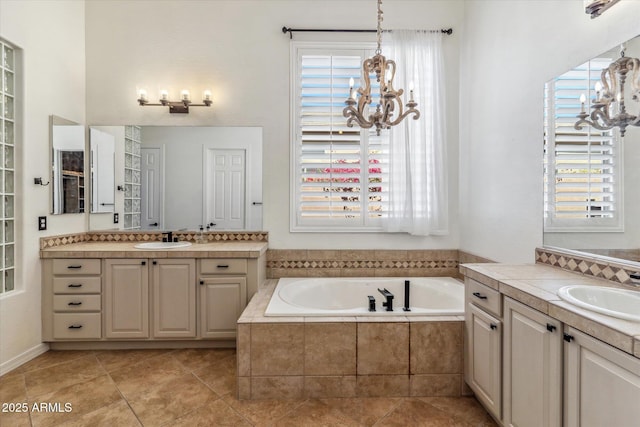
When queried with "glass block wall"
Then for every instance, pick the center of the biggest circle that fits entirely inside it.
(7, 166)
(132, 189)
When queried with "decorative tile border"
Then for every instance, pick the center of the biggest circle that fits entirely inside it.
(596, 266)
(351, 263)
(142, 236)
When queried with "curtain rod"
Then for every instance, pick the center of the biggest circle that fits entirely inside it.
(285, 30)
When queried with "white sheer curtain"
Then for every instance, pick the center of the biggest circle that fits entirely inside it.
(418, 180)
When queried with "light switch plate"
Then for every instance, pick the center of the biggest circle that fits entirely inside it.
(116, 218)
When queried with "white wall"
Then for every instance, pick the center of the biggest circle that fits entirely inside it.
(51, 35)
(237, 49)
(510, 49)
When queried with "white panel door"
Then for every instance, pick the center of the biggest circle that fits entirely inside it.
(225, 188)
(151, 203)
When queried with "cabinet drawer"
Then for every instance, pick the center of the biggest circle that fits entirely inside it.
(76, 303)
(76, 266)
(76, 325)
(76, 285)
(483, 296)
(223, 266)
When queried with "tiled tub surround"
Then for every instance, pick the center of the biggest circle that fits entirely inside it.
(302, 357)
(362, 263)
(536, 285)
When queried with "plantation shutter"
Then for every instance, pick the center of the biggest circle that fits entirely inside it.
(341, 178)
(581, 166)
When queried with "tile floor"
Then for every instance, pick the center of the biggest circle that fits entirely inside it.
(191, 388)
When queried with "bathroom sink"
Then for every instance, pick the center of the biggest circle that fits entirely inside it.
(619, 303)
(162, 245)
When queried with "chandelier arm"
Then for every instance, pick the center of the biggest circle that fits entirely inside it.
(416, 116)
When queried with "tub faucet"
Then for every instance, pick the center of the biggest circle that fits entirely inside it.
(372, 303)
(389, 296)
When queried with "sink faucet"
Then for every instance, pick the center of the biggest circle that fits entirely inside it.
(389, 296)
(169, 237)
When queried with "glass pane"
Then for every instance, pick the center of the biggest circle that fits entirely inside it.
(8, 58)
(128, 145)
(127, 161)
(8, 231)
(136, 177)
(8, 107)
(136, 163)
(136, 191)
(8, 133)
(8, 206)
(127, 190)
(8, 83)
(8, 182)
(127, 221)
(136, 148)
(8, 256)
(128, 205)
(9, 282)
(136, 133)
(136, 205)
(136, 221)
(8, 157)
(128, 132)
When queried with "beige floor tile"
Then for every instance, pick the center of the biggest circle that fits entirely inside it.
(82, 398)
(112, 360)
(147, 374)
(52, 358)
(61, 375)
(15, 419)
(221, 378)
(170, 400)
(117, 414)
(414, 412)
(466, 409)
(262, 412)
(216, 413)
(315, 413)
(366, 410)
(13, 389)
(198, 358)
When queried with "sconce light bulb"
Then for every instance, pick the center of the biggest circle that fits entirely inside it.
(164, 95)
(142, 94)
(184, 95)
(207, 95)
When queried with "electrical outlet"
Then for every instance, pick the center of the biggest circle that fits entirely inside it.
(116, 218)
(42, 223)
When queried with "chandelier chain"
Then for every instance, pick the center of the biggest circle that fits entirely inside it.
(379, 28)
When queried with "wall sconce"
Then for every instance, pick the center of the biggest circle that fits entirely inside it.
(609, 108)
(181, 106)
(595, 8)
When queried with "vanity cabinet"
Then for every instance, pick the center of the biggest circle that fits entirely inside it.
(126, 298)
(173, 296)
(74, 295)
(223, 296)
(483, 344)
(532, 388)
(602, 383)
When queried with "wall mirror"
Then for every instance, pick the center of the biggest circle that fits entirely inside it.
(181, 177)
(67, 141)
(592, 202)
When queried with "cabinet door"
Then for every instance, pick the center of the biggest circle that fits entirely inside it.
(174, 298)
(484, 358)
(602, 384)
(222, 300)
(126, 298)
(532, 391)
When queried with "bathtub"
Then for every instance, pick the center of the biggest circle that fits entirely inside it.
(429, 296)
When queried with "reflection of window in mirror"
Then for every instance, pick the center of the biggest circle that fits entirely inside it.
(67, 160)
(582, 168)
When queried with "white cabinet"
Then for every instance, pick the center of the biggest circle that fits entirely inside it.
(532, 388)
(602, 384)
(173, 298)
(126, 298)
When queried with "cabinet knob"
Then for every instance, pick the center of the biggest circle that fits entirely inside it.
(494, 326)
(550, 327)
(155, 262)
(143, 262)
(567, 337)
(202, 282)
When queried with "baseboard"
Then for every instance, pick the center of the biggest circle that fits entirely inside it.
(20, 359)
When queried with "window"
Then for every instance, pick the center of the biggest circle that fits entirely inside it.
(339, 174)
(8, 110)
(582, 167)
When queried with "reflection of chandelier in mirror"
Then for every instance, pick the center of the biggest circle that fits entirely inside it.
(609, 109)
(385, 71)
(181, 106)
(595, 8)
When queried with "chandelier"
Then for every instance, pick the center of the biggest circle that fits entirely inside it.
(609, 109)
(389, 103)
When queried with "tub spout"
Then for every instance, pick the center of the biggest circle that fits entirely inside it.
(389, 296)
(372, 303)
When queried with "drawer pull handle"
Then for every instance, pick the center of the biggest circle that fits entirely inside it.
(550, 327)
(75, 285)
(494, 326)
(479, 295)
(75, 303)
(222, 266)
(74, 267)
(75, 327)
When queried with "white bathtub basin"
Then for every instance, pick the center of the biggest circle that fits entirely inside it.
(162, 245)
(620, 303)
